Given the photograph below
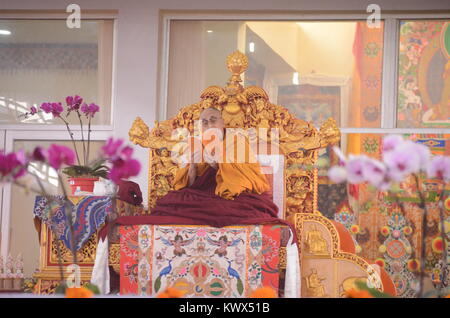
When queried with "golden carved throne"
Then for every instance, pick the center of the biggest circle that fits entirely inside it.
(328, 263)
(244, 108)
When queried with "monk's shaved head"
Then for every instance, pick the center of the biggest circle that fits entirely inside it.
(210, 110)
(211, 118)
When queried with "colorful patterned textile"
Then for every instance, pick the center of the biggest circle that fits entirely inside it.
(423, 74)
(331, 196)
(386, 236)
(90, 214)
(203, 261)
(366, 80)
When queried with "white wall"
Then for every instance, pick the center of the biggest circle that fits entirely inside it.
(136, 62)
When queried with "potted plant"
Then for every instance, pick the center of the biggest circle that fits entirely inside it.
(83, 178)
(83, 174)
(15, 170)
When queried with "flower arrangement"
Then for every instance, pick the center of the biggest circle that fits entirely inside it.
(14, 169)
(400, 159)
(75, 105)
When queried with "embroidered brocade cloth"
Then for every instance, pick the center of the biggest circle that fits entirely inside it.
(90, 213)
(202, 261)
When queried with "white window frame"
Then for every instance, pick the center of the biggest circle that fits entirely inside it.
(62, 16)
(11, 132)
(390, 58)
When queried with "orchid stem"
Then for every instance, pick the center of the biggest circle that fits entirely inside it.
(89, 139)
(82, 137)
(73, 140)
(423, 206)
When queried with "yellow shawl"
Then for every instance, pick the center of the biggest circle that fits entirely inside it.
(232, 178)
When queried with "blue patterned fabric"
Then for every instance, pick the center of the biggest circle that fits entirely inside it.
(89, 215)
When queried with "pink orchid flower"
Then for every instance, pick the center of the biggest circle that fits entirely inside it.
(355, 167)
(73, 102)
(404, 160)
(111, 148)
(33, 110)
(123, 165)
(337, 174)
(375, 173)
(391, 142)
(55, 108)
(439, 167)
(12, 164)
(90, 110)
(59, 155)
(46, 107)
(39, 154)
(122, 169)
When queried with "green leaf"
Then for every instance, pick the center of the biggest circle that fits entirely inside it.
(157, 284)
(240, 286)
(100, 167)
(98, 164)
(76, 171)
(97, 170)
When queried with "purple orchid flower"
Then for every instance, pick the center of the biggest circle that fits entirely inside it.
(73, 102)
(12, 164)
(337, 174)
(111, 148)
(405, 159)
(59, 155)
(123, 165)
(439, 167)
(355, 167)
(55, 108)
(90, 110)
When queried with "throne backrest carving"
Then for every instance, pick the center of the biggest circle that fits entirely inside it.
(297, 140)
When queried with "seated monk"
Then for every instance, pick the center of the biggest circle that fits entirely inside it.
(215, 188)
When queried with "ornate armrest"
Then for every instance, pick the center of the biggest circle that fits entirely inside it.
(330, 266)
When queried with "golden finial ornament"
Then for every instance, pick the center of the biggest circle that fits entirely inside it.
(237, 63)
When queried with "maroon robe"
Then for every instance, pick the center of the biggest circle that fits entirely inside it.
(199, 205)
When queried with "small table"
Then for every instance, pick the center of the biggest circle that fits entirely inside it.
(91, 213)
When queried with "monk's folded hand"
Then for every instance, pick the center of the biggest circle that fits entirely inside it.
(214, 165)
(196, 157)
(211, 160)
(192, 173)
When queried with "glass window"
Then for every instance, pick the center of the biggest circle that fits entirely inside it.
(22, 204)
(315, 69)
(44, 61)
(424, 74)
